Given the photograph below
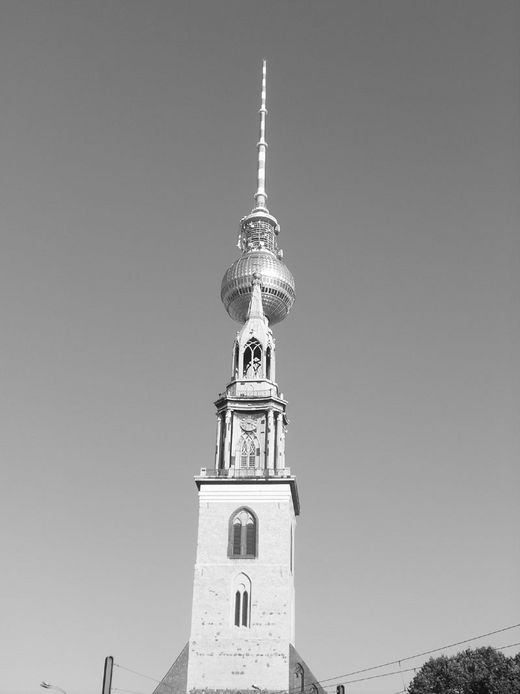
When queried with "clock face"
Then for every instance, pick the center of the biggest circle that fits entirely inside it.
(247, 425)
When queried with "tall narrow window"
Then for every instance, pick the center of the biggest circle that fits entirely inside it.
(241, 601)
(237, 536)
(235, 360)
(243, 531)
(250, 537)
(237, 608)
(300, 675)
(268, 363)
(252, 364)
(245, 606)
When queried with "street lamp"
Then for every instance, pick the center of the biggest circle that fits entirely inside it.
(48, 685)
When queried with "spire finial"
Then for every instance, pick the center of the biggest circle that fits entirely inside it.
(256, 309)
(261, 195)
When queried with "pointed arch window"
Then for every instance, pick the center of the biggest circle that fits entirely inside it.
(300, 675)
(243, 529)
(252, 360)
(235, 360)
(241, 601)
(268, 363)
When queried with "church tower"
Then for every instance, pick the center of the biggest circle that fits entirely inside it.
(242, 626)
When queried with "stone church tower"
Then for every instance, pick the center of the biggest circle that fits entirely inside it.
(242, 626)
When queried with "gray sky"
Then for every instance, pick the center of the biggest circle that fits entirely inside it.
(128, 134)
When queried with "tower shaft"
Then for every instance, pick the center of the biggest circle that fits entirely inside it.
(243, 616)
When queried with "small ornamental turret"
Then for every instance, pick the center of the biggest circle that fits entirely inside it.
(260, 254)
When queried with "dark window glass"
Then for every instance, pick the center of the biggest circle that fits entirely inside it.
(250, 538)
(242, 535)
(237, 536)
(252, 364)
(244, 608)
(237, 608)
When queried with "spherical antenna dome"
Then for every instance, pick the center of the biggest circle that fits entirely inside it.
(277, 286)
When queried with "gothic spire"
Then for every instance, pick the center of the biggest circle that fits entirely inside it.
(256, 309)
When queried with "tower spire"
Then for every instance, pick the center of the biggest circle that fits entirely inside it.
(260, 195)
(258, 243)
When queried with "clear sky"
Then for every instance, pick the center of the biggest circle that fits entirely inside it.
(127, 150)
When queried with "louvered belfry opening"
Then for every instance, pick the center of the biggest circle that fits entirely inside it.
(248, 448)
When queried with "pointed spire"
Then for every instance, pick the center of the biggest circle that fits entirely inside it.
(260, 195)
(256, 308)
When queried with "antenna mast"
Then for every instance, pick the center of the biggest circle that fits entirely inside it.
(261, 195)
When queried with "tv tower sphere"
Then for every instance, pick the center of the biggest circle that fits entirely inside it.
(276, 283)
(260, 255)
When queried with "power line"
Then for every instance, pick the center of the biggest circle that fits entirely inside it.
(122, 667)
(501, 648)
(363, 670)
(420, 655)
(140, 674)
(373, 677)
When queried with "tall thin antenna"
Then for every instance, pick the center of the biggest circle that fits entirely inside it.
(261, 195)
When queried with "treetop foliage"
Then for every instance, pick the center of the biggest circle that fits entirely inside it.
(479, 671)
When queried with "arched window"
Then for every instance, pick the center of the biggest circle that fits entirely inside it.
(252, 363)
(242, 601)
(242, 535)
(248, 450)
(268, 363)
(300, 675)
(235, 360)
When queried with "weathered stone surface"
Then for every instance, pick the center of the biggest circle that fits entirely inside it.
(223, 656)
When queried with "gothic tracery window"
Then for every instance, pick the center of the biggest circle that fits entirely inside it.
(242, 601)
(252, 362)
(243, 535)
(247, 451)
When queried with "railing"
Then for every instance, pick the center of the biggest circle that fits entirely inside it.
(240, 473)
(270, 392)
(256, 393)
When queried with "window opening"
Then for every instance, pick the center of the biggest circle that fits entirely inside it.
(242, 601)
(247, 451)
(243, 535)
(301, 676)
(252, 363)
(244, 608)
(268, 363)
(237, 608)
(235, 361)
